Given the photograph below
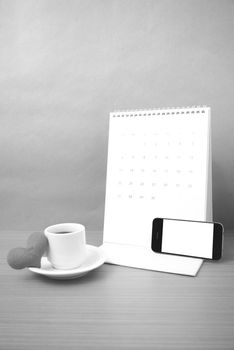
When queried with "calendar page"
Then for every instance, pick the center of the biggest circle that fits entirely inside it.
(158, 165)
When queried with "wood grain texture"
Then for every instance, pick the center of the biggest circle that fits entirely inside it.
(116, 307)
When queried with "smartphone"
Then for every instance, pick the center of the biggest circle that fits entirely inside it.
(187, 238)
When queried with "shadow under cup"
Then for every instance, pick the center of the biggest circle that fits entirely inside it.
(67, 245)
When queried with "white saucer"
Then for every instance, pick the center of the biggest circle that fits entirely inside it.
(95, 258)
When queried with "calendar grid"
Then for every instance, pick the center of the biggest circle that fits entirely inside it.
(157, 167)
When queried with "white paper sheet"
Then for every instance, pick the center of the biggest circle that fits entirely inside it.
(158, 166)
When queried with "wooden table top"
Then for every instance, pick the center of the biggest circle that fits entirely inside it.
(117, 307)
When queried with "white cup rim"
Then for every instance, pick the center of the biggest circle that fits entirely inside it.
(62, 226)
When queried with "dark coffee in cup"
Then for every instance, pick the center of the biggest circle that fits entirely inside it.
(63, 232)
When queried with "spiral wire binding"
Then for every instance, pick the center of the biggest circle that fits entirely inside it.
(159, 111)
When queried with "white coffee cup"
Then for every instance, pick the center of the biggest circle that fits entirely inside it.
(67, 245)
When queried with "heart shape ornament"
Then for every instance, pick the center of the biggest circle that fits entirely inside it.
(19, 258)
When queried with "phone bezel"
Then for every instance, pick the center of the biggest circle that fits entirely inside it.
(157, 235)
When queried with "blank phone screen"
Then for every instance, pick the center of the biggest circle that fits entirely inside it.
(188, 238)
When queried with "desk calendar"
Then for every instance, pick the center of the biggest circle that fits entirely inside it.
(159, 165)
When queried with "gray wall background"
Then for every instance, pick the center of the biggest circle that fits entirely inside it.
(65, 64)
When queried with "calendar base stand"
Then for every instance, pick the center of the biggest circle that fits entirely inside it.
(145, 258)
